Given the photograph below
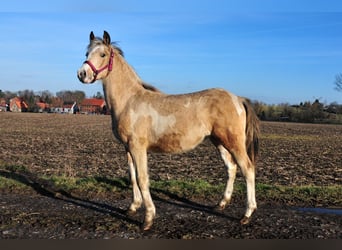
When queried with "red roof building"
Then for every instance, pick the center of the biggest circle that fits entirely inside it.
(42, 106)
(17, 104)
(93, 106)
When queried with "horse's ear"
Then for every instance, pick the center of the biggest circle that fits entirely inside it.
(92, 36)
(106, 38)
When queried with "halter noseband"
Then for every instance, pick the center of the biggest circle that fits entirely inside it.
(109, 66)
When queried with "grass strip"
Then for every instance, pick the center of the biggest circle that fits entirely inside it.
(290, 195)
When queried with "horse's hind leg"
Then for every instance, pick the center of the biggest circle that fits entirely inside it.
(237, 153)
(137, 199)
(248, 170)
(231, 169)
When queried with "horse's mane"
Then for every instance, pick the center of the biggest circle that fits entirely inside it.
(150, 87)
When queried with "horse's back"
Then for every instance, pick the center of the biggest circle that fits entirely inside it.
(177, 123)
(218, 103)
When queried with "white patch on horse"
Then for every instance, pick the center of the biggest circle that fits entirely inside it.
(237, 104)
(188, 103)
(160, 123)
(94, 50)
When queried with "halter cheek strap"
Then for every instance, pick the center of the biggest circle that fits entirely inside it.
(109, 66)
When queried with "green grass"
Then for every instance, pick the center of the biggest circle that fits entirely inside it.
(11, 184)
(313, 195)
(89, 184)
(187, 188)
(309, 194)
(291, 195)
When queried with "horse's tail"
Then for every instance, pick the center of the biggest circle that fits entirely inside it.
(252, 131)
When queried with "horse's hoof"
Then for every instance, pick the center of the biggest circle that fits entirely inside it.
(245, 220)
(219, 208)
(147, 226)
(221, 205)
(131, 213)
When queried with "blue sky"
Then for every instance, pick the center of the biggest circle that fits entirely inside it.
(275, 53)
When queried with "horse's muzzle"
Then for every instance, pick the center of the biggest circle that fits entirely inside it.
(83, 76)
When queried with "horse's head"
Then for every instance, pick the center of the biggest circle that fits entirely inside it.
(99, 60)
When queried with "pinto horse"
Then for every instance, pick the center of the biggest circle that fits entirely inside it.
(147, 120)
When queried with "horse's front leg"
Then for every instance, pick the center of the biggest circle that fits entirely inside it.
(137, 199)
(139, 156)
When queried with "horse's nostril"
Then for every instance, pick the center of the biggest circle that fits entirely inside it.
(81, 74)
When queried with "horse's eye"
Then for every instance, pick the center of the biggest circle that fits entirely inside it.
(103, 55)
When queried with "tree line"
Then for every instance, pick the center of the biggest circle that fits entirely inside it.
(315, 112)
(310, 112)
(306, 112)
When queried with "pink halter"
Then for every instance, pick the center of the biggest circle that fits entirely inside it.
(109, 66)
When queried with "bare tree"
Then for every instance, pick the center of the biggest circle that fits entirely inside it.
(71, 96)
(338, 82)
(45, 96)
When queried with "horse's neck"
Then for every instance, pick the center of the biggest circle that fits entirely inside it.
(120, 85)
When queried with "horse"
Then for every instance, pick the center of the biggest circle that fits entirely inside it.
(145, 119)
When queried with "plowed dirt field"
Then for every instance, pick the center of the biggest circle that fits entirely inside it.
(35, 148)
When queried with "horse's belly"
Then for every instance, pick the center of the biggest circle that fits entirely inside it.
(175, 143)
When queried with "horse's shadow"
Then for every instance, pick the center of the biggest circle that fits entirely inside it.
(172, 199)
(47, 188)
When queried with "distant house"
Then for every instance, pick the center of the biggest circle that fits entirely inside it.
(42, 107)
(93, 106)
(17, 104)
(68, 108)
(65, 108)
(3, 105)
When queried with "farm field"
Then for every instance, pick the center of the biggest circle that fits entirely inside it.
(65, 176)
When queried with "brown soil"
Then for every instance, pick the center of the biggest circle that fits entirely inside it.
(83, 146)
